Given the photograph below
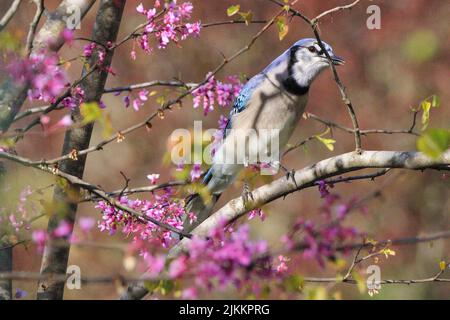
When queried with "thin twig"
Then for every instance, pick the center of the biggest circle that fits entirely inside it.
(9, 14)
(33, 26)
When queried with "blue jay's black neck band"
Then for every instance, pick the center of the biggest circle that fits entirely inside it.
(290, 84)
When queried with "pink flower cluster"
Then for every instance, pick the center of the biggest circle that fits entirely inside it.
(320, 240)
(167, 26)
(90, 48)
(75, 99)
(223, 259)
(161, 208)
(136, 102)
(47, 80)
(20, 218)
(214, 91)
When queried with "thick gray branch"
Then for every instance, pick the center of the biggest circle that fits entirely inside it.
(307, 176)
(55, 257)
(304, 178)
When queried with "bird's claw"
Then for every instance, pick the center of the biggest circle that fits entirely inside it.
(246, 194)
(290, 174)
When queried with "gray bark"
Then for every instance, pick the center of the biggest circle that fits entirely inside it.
(5, 257)
(5, 266)
(56, 257)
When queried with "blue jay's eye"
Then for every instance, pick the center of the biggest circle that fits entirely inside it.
(312, 49)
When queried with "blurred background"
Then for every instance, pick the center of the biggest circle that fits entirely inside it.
(387, 72)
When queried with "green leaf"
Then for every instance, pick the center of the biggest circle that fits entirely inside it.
(247, 16)
(328, 142)
(232, 10)
(435, 101)
(421, 46)
(282, 27)
(294, 283)
(9, 42)
(107, 125)
(426, 105)
(434, 142)
(360, 283)
(151, 285)
(7, 143)
(166, 287)
(161, 100)
(90, 112)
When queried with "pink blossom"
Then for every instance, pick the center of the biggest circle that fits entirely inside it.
(39, 237)
(172, 28)
(215, 91)
(45, 119)
(196, 172)
(257, 212)
(67, 35)
(178, 267)
(180, 166)
(153, 177)
(137, 103)
(161, 208)
(64, 229)
(140, 9)
(42, 71)
(65, 121)
(189, 293)
(89, 49)
(282, 266)
(192, 217)
(155, 264)
(133, 54)
(143, 95)
(86, 224)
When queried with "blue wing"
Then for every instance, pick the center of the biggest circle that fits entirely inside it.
(239, 105)
(244, 96)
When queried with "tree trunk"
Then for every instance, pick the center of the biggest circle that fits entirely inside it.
(56, 257)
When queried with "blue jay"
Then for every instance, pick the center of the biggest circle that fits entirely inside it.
(273, 99)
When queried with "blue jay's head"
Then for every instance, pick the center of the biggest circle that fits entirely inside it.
(301, 63)
(307, 60)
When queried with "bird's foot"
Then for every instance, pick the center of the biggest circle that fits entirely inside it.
(246, 194)
(290, 174)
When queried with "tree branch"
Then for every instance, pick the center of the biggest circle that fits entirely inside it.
(306, 177)
(30, 37)
(9, 14)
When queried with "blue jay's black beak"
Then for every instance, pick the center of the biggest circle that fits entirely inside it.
(337, 61)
